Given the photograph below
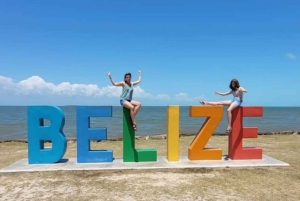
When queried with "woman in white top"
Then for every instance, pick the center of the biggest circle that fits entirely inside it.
(127, 93)
(237, 92)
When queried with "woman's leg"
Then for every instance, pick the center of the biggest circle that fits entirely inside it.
(128, 105)
(224, 103)
(137, 105)
(232, 106)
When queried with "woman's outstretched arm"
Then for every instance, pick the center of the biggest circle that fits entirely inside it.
(114, 83)
(223, 94)
(139, 80)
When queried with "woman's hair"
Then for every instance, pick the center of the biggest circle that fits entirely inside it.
(125, 76)
(237, 84)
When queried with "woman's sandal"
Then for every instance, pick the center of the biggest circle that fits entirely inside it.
(135, 127)
(202, 102)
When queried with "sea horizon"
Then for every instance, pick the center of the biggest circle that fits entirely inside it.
(151, 120)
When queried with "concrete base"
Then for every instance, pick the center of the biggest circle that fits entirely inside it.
(162, 163)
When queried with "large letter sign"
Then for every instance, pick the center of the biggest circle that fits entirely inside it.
(130, 153)
(173, 133)
(38, 133)
(85, 133)
(213, 118)
(235, 146)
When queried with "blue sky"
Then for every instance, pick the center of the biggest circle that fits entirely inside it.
(185, 49)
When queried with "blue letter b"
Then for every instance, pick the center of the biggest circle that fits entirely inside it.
(37, 133)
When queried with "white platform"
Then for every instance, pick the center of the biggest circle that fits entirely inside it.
(162, 163)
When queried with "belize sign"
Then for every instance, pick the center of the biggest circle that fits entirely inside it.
(38, 133)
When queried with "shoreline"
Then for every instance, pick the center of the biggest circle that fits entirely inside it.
(157, 136)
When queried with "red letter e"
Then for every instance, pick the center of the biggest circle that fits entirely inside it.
(235, 146)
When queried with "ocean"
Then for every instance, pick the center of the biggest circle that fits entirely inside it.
(150, 121)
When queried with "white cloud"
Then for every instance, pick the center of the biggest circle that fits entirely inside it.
(186, 97)
(36, 85)
(291, 56)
